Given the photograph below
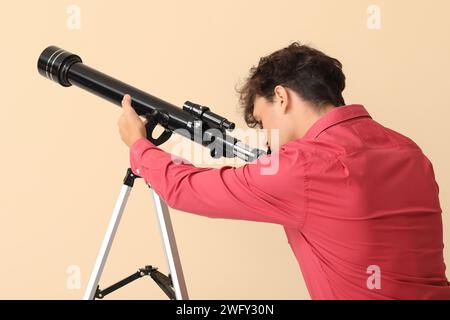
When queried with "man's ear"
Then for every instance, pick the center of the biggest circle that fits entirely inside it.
(282, 98)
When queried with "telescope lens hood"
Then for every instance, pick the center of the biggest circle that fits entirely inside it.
(54, 63)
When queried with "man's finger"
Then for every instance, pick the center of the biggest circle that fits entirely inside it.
(126, 103)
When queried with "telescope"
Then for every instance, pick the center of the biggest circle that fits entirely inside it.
(190, 121)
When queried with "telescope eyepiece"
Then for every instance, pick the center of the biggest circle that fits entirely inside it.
(54, 63)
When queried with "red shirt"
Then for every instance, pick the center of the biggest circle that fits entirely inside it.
(358, 202)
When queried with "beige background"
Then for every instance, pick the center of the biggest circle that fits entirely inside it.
(62, 160)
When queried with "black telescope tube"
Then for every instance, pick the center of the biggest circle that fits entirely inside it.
(68, 69)
(113, 90)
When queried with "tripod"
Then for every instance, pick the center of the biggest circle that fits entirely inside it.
(173, 285)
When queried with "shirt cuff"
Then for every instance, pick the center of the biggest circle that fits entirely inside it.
(137, 149)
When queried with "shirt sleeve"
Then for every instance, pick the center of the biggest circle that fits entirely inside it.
(262, 191)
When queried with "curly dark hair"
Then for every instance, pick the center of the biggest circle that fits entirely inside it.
(314, 76)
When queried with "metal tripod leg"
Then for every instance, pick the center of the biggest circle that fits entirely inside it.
(168, 237)
(107, 243)
(170, 247)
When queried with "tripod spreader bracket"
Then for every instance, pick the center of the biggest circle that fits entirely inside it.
(163, 281)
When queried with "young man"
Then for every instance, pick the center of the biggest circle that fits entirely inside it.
(359, 202)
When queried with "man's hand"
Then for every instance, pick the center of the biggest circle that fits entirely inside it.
(131, 126)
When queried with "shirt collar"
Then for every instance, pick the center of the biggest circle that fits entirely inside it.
(335, 116)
